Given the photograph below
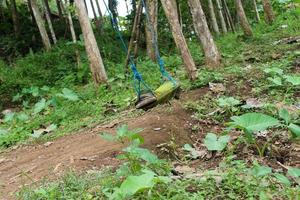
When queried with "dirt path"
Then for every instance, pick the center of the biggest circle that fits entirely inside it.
(86, 150)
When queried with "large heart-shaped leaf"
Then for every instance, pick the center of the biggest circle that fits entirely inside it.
(69, 94)
(39, 106)
(294, 80)
(294, 172)
(282, 179)
(213, 143)
(295, 130)
(259, 170)
(252, 122)
(284, 114)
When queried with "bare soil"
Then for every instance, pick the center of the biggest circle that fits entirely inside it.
(31, 164)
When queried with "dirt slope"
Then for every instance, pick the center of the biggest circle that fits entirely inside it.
(86, 150)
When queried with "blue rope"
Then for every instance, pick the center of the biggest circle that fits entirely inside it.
(138, 80)
(160, 61)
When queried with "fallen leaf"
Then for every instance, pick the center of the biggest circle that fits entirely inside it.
(47, 144)
(217, 87)
(184, 169)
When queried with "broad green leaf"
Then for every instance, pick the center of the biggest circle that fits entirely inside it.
(282, 179)
(213, 143)
(134, 184)
(294, 80)
(108, 137)
(295, 130)
(254, 122)
(284, 114)
(276, 80)
(22, 117)
(3, 131)
(9, 117)
(39, 106)
(259, 170)
(228, 102)
(273, 70)
(122, 131)
(294, 172)
(17, 97)
(69, 94)
(142, 153)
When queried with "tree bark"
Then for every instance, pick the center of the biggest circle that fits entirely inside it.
(100, 12)
(41, 25)
(48, 18)
(213, 17)
(152, 6)
(229, 15)
(98, 23)
(268, 10)
(60, 13)
(96, 63)
(170, 10)
(211, 52)
(15, 17)
(70, 22)
(223, 24)
(133, 37)
(243, 19)
(256, 11)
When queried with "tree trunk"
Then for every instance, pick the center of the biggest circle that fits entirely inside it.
(99, 11)
(85, 5)
(48, 18)
(229, 15)
(60, 13)
(212, 55)
(98, 23)
(70, 22)
(243, 19)
(96, 63)
(32, 20)
(15, 17)
(170, 10)
(256, 11)
(213, 17)
(133, 37)
(41, 25)
(269, 15)
(152, 6)
(223, 24)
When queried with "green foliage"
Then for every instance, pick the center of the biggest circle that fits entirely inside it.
(213, 143)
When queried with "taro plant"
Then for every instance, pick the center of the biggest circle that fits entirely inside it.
(215, 143)
(289, 122)
(250, 124)
(228, 104)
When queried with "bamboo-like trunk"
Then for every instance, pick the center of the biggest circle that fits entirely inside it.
(60, 13)
(268, 10)
(49, 21)
(41, 25)
(92, 50)
(170, 10)
(98, 23)
(152, 7)
(213, 18)
(211, 52)
(223, 24)
(243, 19)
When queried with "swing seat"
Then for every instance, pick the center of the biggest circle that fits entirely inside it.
(161, 95)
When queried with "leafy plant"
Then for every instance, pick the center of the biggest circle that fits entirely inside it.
(293, 128)
(250, 123)
(213, 143)
(228, 103)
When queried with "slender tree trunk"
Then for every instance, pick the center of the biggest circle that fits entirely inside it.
(85, 5)
(60, 13)
(98, 23)
(100, 12)
(268, 10)
(32, 20)
(70, 22)
(229, 15)
(48, 7)
(170, 10)
(211, 52)
(152, 6)
(48, 18)
(40, 24)
(223, 24)
(179, 12)
(96, 63)
(256, 11)
(213, 17)
(243, 19)
(15, 17)
(133, 37)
